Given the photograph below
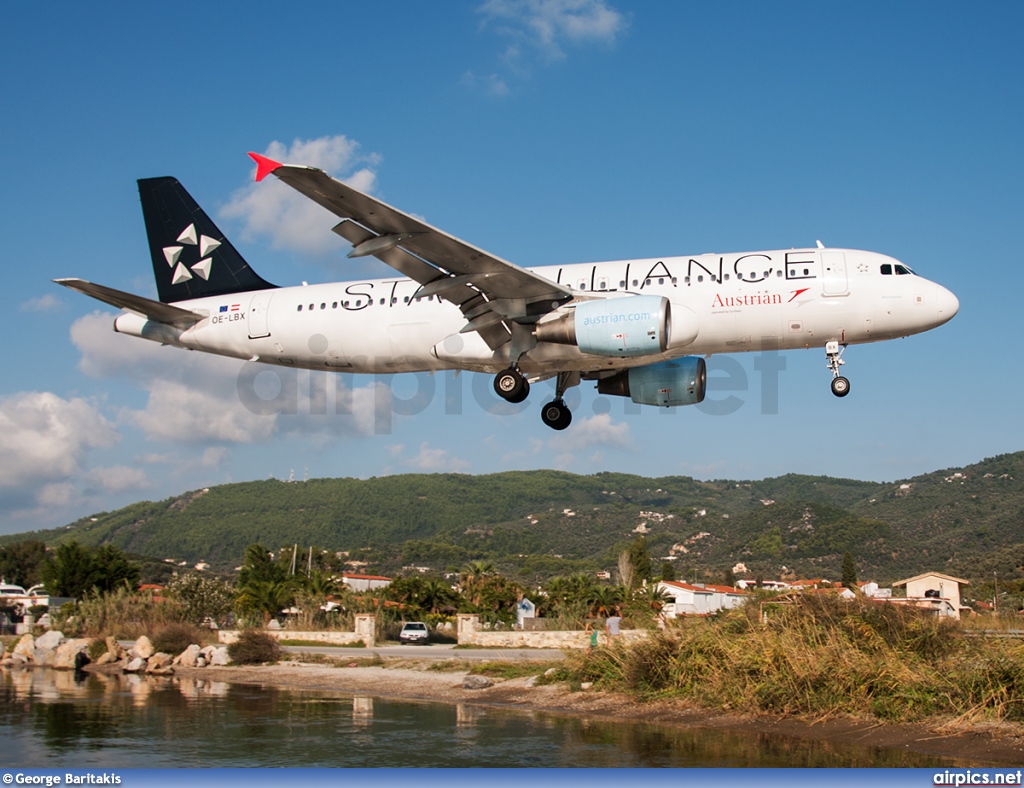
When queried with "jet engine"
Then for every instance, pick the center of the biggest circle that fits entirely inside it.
(619, 327)
(681, 381)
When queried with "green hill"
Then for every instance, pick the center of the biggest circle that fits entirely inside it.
(966, 521)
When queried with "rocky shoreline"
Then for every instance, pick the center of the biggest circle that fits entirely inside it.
(412, 680)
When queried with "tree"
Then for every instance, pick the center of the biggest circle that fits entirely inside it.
(266, 598)
(849, 571)
(729, 577)
(74, 570)
(668, 572)
(201, 598)
(21, 563)
(640, 559)
(258, 566)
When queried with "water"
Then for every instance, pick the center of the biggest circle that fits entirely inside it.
(57, 720)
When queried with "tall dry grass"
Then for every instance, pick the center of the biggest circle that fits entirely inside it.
(820, 657)
(122, 613)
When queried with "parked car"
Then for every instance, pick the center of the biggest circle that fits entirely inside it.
(414, 632)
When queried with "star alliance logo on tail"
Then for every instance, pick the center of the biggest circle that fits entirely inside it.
(205, 245)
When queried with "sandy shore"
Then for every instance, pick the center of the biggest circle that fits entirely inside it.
(408, 680)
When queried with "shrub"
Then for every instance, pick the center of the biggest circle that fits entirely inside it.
(254, 647)
(175, 638)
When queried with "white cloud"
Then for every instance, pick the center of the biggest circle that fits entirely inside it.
(435, 461)
(550, 25)
(45, 303)
(118, 478)
(46, 438)
(491, 84)
(292, 221)
(198, 398)
(587, 437)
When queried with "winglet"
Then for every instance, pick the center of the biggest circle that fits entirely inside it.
(264, 166)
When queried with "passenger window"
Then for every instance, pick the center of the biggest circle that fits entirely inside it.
(334, 305)
(635, 282)
(300, 307)
(727, 277)
(700, 278)
(312, 307)
(661, 281)
(323, 306)
(622, 283)
(887, 269)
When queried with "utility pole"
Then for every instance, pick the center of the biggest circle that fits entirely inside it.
(995, 592)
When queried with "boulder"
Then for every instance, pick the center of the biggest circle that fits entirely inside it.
(66, 657)
(189, 656)
(143, 648)
(114, 648)
(158, 662)
(105, 658)
(220, 657)
(476, 682)
(50, 640)
(3, 649)
(26, 648)
(137, 664)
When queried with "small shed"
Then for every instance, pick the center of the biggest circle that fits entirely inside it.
(935, 591)
(524, 609)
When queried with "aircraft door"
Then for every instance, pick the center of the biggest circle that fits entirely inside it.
(258, 308)
(834, 273)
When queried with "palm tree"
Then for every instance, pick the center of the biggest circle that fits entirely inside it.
(267, 597)
(604, 600)
(652, 596)
(471, 579)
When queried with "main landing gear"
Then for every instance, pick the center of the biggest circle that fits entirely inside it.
(512, 386)
(833, 352)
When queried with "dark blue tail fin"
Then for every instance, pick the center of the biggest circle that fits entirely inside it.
(191, 257)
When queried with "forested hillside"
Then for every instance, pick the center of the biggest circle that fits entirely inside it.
(967, 521)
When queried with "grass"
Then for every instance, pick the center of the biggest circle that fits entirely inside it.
(818, 658)
(494, 668)
(321, 644)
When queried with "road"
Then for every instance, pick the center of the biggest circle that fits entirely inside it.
(436, 651)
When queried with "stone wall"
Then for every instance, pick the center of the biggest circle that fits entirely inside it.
(365, 629)
(471, 634)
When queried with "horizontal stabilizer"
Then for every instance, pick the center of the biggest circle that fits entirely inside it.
(154, 310)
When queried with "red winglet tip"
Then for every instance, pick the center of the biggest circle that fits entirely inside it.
(264, 166)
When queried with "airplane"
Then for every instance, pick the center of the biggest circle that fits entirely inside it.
(637, 328)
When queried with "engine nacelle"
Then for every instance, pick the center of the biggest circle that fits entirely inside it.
(681, 381)
(618, 327)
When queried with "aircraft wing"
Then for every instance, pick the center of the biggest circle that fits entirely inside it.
(491, 292)
(154, 310)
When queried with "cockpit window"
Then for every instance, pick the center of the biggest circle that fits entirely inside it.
(887, 269)
(902, 269)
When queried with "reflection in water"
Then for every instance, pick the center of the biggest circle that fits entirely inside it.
(55, 720)
(362, 710)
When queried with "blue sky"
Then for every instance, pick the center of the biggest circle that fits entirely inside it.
(544, 132)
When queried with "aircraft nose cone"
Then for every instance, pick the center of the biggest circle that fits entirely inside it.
(948, 305)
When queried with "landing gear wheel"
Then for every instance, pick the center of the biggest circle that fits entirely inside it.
(511, 386)
(840, 386)
(556, 415)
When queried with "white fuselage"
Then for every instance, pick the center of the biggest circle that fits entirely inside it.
(788, 299)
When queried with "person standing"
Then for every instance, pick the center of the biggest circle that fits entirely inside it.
(611, 625)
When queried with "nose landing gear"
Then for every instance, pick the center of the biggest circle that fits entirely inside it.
(833, 353)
